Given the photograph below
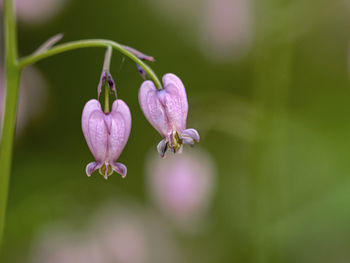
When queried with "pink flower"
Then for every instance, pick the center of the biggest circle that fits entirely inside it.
(37, 11)
(106, 136)
(121, 233)
(167, 110)
(129, 232)
(60, 244)
(182, 186)
(226, 28)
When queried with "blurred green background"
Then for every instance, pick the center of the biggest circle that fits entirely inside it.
(271, 103)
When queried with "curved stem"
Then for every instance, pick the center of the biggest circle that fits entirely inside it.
(86, 44)
(12, 74)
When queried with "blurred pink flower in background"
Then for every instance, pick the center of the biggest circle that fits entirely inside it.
(226, 28)
(63, 245)
(37, 11)
(223, 29)
(116, 234)
(32, 96)
(182, 186)
(126, 242)
(132, 234)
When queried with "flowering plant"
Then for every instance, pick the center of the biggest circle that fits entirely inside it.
(106, 131)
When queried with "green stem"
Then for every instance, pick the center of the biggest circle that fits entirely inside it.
(12, 74)
(87, 44)
(107, 61)
(106, 66)
(106, 99)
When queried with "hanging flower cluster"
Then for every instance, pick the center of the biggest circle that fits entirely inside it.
(107, 132)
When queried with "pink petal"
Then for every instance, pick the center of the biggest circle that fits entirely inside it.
(119, 130)
(175, 101)
(90, 107)
(98, 134)
(152, 107)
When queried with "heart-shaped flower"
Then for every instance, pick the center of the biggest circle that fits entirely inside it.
(106, 136)
(166, 110)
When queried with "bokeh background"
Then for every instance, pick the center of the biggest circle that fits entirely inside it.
(268, 89)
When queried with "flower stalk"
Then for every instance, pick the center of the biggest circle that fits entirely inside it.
(89, 43)
(12, 75)
(106, 66)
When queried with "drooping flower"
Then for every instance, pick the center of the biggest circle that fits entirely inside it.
(106, 136)
(166, 110)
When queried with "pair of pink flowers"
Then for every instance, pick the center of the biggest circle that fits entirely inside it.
(107, 133)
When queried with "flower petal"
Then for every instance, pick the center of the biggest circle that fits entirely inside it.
(162, 147)
(111, 84)
(152, 107)
(187, 140)
(100, 84)
(89, 108)
(142, 72)
(192, 133)
(119, 168)
(98, 135)
(139, 54)
(120, 129)
(91, 167)
(175, 101)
